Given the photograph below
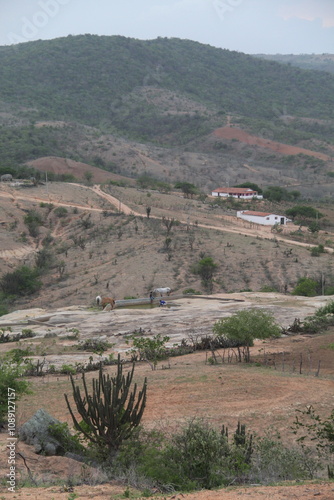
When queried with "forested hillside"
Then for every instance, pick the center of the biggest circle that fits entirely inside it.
(132, 106)
(320, 62)
(86, 78)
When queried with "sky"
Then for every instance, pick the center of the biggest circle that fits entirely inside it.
(249, 26)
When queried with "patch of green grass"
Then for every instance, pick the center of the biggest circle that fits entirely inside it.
(328, 346)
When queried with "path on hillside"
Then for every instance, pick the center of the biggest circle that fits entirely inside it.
(259, 231)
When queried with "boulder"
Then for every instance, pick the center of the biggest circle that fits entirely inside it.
(36, 432)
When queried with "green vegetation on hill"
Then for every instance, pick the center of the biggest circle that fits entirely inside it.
(163, 92)
(22, 144)
(290, 132)
(86, 78)
(319, 62)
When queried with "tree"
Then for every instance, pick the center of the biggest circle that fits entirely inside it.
(307, 287)
(295, 194)
(277, 193)
(245, 326)
(151, 350)
(206, 268)
(44, 259)
(112, 412)
(314, 227)
(22, 281)
(168, 223)
(88, 176)
(33, 220)
(305, 215)
(188, 189)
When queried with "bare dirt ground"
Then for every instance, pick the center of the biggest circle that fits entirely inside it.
(123, 253)
(60, 166)
(253, 140)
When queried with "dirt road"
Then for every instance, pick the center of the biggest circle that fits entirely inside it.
(236, 228)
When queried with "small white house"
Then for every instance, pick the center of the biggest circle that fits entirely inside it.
(241, 193)
(264, 218)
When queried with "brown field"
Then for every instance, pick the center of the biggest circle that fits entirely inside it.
(264, 395)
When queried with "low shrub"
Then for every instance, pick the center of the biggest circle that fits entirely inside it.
(327, 309)
(68, 442)
(94, 345)
(191, 291)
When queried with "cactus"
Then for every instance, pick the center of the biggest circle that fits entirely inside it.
(244, 441)
(111, 412)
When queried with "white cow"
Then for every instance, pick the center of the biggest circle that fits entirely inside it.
(162, 291)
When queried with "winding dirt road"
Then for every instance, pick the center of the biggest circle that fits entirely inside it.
(256, 231)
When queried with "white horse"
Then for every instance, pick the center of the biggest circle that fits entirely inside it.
(162, 291)
(104, 301)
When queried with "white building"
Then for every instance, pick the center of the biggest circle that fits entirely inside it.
(241, 193)
(264, 218)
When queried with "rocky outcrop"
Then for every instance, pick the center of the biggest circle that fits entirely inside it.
(36, 432)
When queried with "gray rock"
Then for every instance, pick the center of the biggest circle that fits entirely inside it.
(36, 432)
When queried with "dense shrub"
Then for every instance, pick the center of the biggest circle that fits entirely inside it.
(44, 259)
(306, 287)
(317, 251)
(245, 326)
(60, 211)
(94, 345)
(23, 281)
(10, 383)
(3, 310)
(272, 461)
(33, 220)
(199, 456)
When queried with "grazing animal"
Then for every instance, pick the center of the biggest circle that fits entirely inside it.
(6, 177)
(162, 291)
(104, 301)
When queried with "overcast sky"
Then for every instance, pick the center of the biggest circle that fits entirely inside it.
(250, 26)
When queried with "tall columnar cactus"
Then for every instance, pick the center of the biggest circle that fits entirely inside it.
(112, 411)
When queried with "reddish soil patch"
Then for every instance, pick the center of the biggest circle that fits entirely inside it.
(253, 140)
(61, 166)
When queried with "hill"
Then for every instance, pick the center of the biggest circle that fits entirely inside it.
(132, 107)
(83, 78)
(319, 62)
(89, 241)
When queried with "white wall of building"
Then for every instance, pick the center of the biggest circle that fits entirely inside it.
(266, 220)
(243, 196)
